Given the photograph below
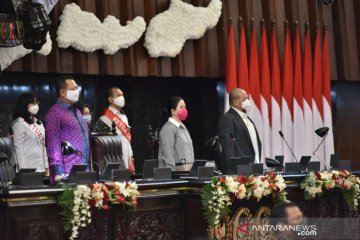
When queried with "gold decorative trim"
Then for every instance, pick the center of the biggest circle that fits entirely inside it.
(26, 199)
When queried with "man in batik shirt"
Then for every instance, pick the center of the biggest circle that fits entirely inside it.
(65, 123)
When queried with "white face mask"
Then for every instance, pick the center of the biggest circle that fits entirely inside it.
(33, 109)
(87, 118)
(119, 101)
(246, 105)
(72, 95)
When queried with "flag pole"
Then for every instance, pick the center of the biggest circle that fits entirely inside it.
(240, 21)
(252, 24)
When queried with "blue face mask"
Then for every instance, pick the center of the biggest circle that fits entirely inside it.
(87, 118)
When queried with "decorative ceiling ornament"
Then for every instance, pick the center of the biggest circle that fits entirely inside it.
(168, 31)
(85, 32)
(11, 54)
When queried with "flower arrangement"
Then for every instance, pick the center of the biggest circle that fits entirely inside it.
(218, 196)
(318, 182)
(77, 202)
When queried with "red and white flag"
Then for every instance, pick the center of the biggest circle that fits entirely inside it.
(230, 78)
(317, 103)
(287, 98)
(308, 143)
(275, 122)
(329, 141)
(243, 73)
(265, 93)
(298, 115)
(254, 86)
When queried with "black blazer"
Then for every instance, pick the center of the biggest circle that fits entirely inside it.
(232, 124)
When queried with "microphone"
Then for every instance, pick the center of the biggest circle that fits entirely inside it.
(282, 136)
(237, 145)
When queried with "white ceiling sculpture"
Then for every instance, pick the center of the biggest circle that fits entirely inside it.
(85, 32)
(11, 54)
(168, 31)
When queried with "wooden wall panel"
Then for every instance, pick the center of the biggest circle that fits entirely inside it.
(204, 57)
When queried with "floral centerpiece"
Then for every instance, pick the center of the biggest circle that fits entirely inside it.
(77, 202)
(217, 197)
(318, 182)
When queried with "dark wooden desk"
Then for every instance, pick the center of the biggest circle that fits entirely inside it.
(166, 210)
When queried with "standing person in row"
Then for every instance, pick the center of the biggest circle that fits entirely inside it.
(175, 144)
(29, 135)
(115, 114)
(236, 128)
(65, 123)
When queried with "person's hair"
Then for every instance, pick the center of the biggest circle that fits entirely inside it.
(172, 104)
(21, 108)
(166, 113)
(110, 91)
(61, 83)
(279, 212)
(85, 106)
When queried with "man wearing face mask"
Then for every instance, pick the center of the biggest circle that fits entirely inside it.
(114, 115)
(65, 123)
(235, 127)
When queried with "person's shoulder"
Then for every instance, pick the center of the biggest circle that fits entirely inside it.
(168, 127)
(228, 115)
(54, 109)
(17, 122)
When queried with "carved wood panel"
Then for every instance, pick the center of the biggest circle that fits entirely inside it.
(158, 225)
(38, 229)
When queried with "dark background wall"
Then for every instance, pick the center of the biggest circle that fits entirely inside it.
(145, 101)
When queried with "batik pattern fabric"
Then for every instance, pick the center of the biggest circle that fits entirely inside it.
(64, 122)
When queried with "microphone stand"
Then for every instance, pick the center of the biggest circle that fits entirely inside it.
(236, 144)
(292, 153)
(324, 162)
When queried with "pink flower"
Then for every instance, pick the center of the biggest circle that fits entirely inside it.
(105, 207)
(263, 179)
(254, 187)
(241, 179)
(134, 203)
(272, 175)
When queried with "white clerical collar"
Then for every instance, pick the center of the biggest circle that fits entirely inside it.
(173, 121)
(242, 114)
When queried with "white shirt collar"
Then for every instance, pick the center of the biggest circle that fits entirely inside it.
(114, 110)
(242, 114)
(173, 121)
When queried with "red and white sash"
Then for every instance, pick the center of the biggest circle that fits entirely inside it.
(123, 127)
(39, 133)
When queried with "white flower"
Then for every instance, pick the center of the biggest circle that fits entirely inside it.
(314, 190)
(280, 183)
(232, 185)
(220, 190)
(258, 192)
(241, 192)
